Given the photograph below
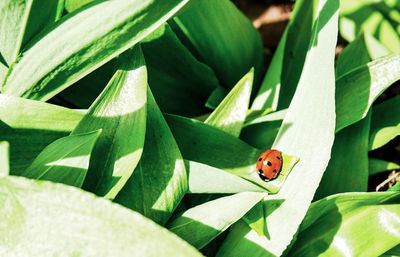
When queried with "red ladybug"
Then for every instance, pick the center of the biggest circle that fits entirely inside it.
(269, 164)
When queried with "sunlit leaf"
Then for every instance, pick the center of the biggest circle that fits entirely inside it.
(120, 111)
(367, 83)
(343, 222)
(307, 132)
(29, 126)
(230, 114)
(110, 28)
(66, 160)
(385, 123)
(72, 222)
(202, 223)
(159, 182)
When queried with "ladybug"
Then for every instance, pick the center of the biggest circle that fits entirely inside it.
(269, 164)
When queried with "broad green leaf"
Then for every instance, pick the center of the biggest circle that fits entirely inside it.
(362, 50)
(20, 21)
(215, 32)
(205, 144)
(376, 166)
(347, 170)
(109, 28)
(29, 126)
(385, 123)
(201, 224)
(47, 219)
(230, 114)
(4, 159)
(262, 131)
(367, 82)
(373, 17)
(395, 188)
(307, 132)
(340, 230)
(120, 111)
(205, 179)
(159, 181)
(216, 97)
(66, 160)
(285, 70)
(181, 84)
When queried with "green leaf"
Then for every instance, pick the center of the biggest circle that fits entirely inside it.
(4, 159)
(120, 111)
(340, 228)
(66, 160)
(205, 144)
(347, 170)
(367, 82)
(385, 123)
(285, 70)
(362, 50)
(307, 132)
(215, 32)
(376, 166)
(181, 84)
(29, 126)
(72, 5)
(110, 28)
(205, 179)
(262, 131)
(216, 97)
(159, 181)
(373, 17)
(20, 21)
(230, 114)
(201, 224)
(74, 223)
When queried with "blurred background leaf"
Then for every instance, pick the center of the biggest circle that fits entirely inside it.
(4, 158)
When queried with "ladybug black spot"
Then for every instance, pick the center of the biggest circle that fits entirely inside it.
(274, 171)
(259, 159)
(260, 171)
(277, 157)
(269, 163)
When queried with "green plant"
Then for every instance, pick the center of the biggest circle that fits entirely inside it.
(162, 107)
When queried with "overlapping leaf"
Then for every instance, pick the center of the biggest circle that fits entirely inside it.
(72, 222)
(29, 126)
(121, 112)
(66, 160)
(159, 182)
(105, 30)
(307, 132)
(376, 166)
(215, 32)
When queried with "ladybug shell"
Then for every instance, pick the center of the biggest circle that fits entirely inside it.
(269, 164)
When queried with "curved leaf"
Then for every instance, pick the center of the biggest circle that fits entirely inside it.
(109, 28)
(307, 132)
(367, 82)
(159, 182)
(376, 166)
(230, 114)
(385, 123)
(120, 111)
(201, 224)
(47, 219)
(66, 160)
(29, 126)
